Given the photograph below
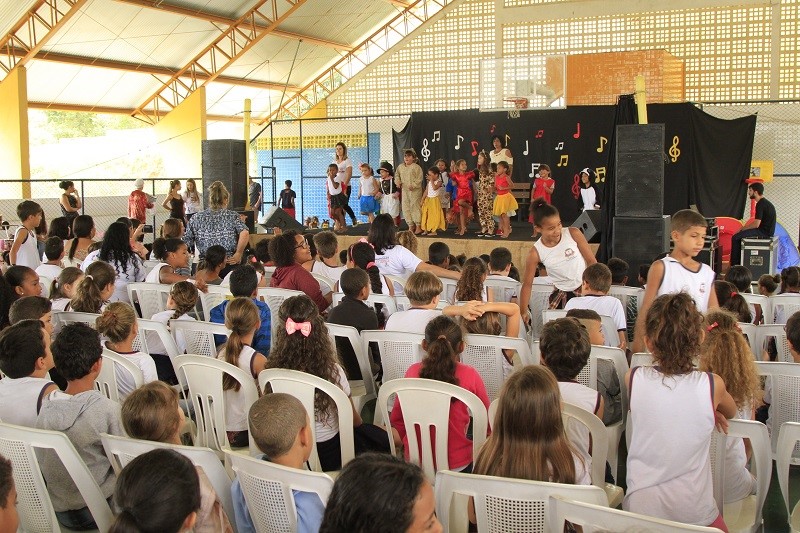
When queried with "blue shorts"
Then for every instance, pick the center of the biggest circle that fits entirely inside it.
(369, 205)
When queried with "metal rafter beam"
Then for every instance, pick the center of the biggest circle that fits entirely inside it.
(219, 19)
(34, 29)
(155, 70)
(55, 106)
(401, 26)
(235, 41)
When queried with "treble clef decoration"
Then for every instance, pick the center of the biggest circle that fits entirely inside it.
(425, 152)
(674, 151)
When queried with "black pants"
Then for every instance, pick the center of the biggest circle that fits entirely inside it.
(367, 438)
(347, 208)
(736, 243)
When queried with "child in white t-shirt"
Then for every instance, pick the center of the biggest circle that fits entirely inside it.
(328, 263)
(367, 187)
(181, 300)
(594, 296)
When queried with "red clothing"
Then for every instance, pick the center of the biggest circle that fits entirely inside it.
(297, 278)
(459, 447)
(138, 204)
(538, 188)
(463, 185)
(501, 185)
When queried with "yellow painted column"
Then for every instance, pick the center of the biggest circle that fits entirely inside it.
(15, 162)
(179, 135)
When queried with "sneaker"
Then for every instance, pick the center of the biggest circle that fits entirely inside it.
(480, 235)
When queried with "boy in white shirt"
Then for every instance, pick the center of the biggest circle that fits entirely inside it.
(594, 296)
(328, 263)
(54, 253)
(500, 263)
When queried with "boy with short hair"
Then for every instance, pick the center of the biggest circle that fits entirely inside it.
(607, 380)
(24, 251)
(54, 252)
(32, 308)
(244, 283)
(439, 254)
(280, 427)
(352, 311)
(287, 198)
(500, 264)
(678, 271)
(328, 252)
(619, 271)
(25, 359)
(82, 414)
(594, 295)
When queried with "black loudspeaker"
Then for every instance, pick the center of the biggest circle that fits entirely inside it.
(250, 219)
(590, 223)
(278, 218)
(639, 181)
(225, 160)
(639, 240)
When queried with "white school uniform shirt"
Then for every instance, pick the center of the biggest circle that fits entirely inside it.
(368, 186)
(327, 427)
(28, 252)
(49, 271)
(413, 320)
(678, 278)
(21, 398)
(154, 343)
(128, 275)
(59, 304)
(236, 409)
(154, 276)
(333, 273)
(669, 471)
(397, 261)
(564, 262)
(588, 400)
(604, 305)
(125, 383)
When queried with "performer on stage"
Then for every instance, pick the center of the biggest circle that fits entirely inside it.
(501, 153)
(389, 195)
(408, 176)
(543, 187)
(589, 198)
(762, 224)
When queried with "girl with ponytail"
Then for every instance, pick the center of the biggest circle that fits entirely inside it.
(362, 255)
(62, 289)
(94, 290)
(444, 342)
(174, 256)
(182, 299)
(243, 319)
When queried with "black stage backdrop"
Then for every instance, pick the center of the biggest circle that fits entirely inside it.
(706, 159)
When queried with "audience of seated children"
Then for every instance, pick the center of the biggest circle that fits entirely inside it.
(54, 253)
(790, 284)
(564, 347)
(444, 342)
(607, 380)
(726, 353)
(423, 290)
(439, 254)
(328, 252)
(792, 328)
(94, 289)
(489, 324)
(117, 323)
(212, 264)
(619, 277)
(25, 359)
(352, 311)
(671, 418)
(528, 440)
(290, 251)
(152, 412)
(594, 296)
(768, 284)
(62, 289)
(24, 281)
(730, 300)
(9, 518)
(244, 284)
(174, 256)
(470, 287)
(181, 301)
(742, 279)
(302, 344)
(24, 250)
(280, 427)
(679, 271)
(157, 491)
(500, 265)
(242, 318)
(378, 492)
(82, 414)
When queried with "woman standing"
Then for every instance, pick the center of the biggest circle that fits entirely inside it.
(343, 176)
(174, 202)
(501, 153)
(70, 202)
(191, 198)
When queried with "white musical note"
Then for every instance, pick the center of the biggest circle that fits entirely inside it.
(560, 146)
(437, 136)
(458, 144)
(425, 152)
(526, 149)
(534, 169)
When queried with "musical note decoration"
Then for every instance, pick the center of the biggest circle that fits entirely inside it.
(674, 151)
(600, 175)
(494, 127)
(474, 147)
(576, 187)
(459, 138)
(425, 152)
(603, 142)
(437, 136)
(564, 161)
(526, 148)
(560, 146)
(577, 134)
(534, 169)
(508, 138)
(540, 134)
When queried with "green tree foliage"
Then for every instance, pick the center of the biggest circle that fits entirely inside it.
(71, 124)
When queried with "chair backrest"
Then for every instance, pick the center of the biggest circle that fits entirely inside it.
(448, 290)
(750, 331)
(552, 314)
(209, 300)
(642, 359)
(764, 301)
(45, 282)
(749, 518)
(485, 354)
(505, 504)
(303, 386)
(398, 281)
(625, 294)
(354, 337)
(426, 404)
(588, 375)
(71, 317)
(199, 336)
(326, 284)
(267, 489)
(599, 437)
(274, 297)
(20, 445)
(149, 265)
(502, 290)
(788, 437)
(154, 337)
(122, 450)
(398, 350)
(785, 406)
(152, 297)
(776, 332)
(593, 517)
(784, 306)
(107, 381)
(537, 303)
(204, 377)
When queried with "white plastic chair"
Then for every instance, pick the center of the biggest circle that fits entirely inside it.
(774, 331)
(448, 293)
(624, 294)
(503, 504)
(274, 298)
(485, 354)
(107, 381)
(426, 403)
(502, 290)
(204, 377)
(152, 297)
(750, 331)
(267, 489)
(71, 317)
(149, 265)
(764, 301)
(209, 300)
(20, 445)
(398, 281)
(538, 302)
(788, 438)
(386, 300)
(326, 284)
(303, 386)
(642, 359)
(786, 304)
(398, 350)
(199, 336)
(552, 314)
(785, 406)
(361, 390)
(154, 337)
(44, 283)
(743, 515)
(598, 518)
(122, 450)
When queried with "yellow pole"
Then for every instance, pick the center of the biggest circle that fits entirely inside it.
(247, 110)
(641, 99)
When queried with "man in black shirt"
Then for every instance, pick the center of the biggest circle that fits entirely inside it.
(762, 225)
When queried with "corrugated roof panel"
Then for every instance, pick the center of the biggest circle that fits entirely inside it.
(11, 11)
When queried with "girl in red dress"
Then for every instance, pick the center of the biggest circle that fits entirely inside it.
(463, 200)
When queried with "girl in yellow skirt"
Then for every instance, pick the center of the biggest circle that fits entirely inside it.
(432, 214)
(505, 205)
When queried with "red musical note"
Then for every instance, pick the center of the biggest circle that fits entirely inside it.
(577, 134)
(474, 147)
(576, 188)
(491, 130)
(539, 134)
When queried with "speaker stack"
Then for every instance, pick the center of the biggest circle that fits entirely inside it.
(225, 160)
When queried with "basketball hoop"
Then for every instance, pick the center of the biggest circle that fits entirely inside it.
(519, 103)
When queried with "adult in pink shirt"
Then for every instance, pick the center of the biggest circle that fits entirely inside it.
(139, 202)
(289, 251)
